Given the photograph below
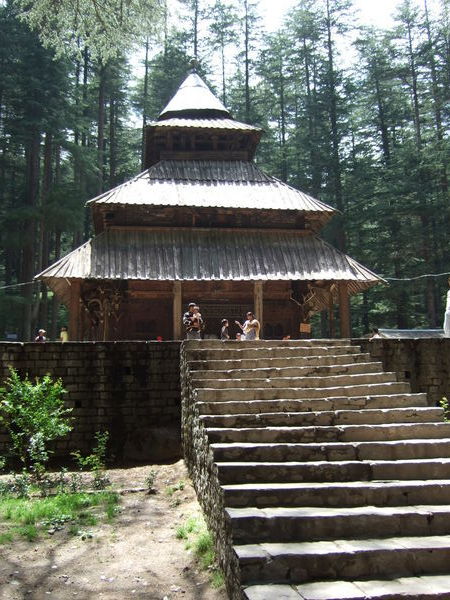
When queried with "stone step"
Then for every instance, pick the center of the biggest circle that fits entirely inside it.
(341, 433)
(423, 587)
(272, 362)
(311, 381)
(348, 493)
(234, 472)
(324, 418)
(397, 450)
(312, 523)
(220, 344)
(384, 401)
(370, 389)
(343, 559)
(242, 352)
(296, 371)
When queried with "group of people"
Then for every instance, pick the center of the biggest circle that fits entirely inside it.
(194, 324)
(41, 337)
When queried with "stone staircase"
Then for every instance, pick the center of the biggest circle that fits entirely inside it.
(322, 476)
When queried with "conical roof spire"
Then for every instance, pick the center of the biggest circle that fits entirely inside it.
(194, 99)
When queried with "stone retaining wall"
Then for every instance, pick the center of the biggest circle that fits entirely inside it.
(425, 362)
(131, 389)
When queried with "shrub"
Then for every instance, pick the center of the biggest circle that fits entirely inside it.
(34, 416)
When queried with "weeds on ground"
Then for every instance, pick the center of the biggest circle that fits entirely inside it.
(96, 461)
(171, 489)
(445, 404)
(200, 541)
(150, 481)
(31, 517)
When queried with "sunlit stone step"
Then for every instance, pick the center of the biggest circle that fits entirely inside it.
(383, 401)
(290, 371)
(324, 418)
(316, 471)
(311, 381)
(312, 523)
(243, 352)
(307, 361)
(343, 559)
(338, 493)
(425, 587)
(382, 450)
(370, 389)
(342, 433)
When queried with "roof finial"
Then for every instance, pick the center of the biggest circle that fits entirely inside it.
(194, 64)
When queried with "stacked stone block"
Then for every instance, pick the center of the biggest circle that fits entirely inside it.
(131, 389)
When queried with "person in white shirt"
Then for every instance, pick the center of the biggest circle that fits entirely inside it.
(447, 314)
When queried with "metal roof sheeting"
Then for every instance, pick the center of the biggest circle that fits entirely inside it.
(218, 123)
(193, 95)
(207, 254)
(224, 184)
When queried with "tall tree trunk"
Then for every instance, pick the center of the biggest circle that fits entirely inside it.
(29, 243)
(101, 129)
(247, 60)
(44, 232)
(332, 107)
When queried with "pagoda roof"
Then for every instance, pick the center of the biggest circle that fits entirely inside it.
(205, 183)
(204, 123)
(167, 254)
(194, 98)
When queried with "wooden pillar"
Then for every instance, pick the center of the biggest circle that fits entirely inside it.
(344, 309)
(258, 303)
(177, 310)
(331, 322)
(74, 310)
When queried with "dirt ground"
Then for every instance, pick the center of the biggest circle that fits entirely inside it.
(137, 556)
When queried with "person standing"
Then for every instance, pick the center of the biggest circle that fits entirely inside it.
(193, 322)
(40, 338)
(447, 314)
(251, 327)
(63, 334)
(224, 335)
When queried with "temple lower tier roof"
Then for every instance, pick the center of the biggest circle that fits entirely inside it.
(206, 255)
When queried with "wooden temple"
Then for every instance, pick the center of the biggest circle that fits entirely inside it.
(203, 223)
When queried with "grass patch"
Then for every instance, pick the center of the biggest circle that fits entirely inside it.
(200, 541)
(30, 517)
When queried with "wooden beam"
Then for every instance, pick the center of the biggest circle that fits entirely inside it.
(177, 310)
(74, 310)
(344, 309)
(258, 301)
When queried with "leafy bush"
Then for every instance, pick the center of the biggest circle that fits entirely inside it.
(34, 416)
(444, 403)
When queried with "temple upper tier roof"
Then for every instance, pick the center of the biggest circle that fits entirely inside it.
(227, 185)
(194, 98)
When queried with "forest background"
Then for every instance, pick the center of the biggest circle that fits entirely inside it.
(355, 116)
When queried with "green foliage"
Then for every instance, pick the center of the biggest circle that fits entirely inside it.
(171, 489)
(150, 481)
(106, 28)
(445, 405)
(33, 414)
(96, 461)
(200, 541)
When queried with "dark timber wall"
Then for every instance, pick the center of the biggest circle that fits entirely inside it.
(131, 389)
